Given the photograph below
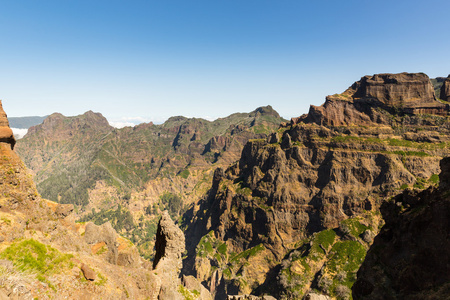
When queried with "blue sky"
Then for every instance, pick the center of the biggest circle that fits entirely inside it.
(148, 60)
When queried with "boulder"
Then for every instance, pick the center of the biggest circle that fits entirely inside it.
(88, 273)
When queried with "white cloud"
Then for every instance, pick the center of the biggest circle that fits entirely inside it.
(121, 124)
(19, 132)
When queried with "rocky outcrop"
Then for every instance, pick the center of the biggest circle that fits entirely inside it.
(405, 93)
(170, 246)
(6, 134)
(445, 90)
(104, 233)
(409, 257)
(395, 90)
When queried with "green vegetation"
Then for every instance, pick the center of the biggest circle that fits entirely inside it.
(434, 179)
(205, 246)
(353, 226)
(120, 218)
(172, 203)
(245, 255)
(184, 174)
(343, 262)
(101, 279)
(420, 183)
(187, 294)
(36, 258)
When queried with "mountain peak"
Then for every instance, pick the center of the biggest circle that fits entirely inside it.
(265, 110)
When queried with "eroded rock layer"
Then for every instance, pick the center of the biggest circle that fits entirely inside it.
(364, 102)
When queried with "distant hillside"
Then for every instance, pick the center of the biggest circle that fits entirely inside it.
(25, 122)
(129, 175)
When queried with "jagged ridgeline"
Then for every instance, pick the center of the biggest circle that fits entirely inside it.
(129, 175)
(298, 211)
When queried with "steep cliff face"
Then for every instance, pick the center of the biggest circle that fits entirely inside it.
(365, 102)
(409, 257)
(299, 210)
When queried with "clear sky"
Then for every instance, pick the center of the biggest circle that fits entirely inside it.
(148, 60)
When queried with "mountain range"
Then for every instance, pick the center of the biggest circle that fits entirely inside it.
(268, 207)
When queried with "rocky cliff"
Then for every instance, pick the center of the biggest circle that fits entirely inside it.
(299, 209)
(365, 102)
(409, 257)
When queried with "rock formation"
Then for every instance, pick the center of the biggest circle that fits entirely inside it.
(6, 134)
(105, 234)
(445, 90)
(406, 93)
(409, 258)
(169, 247)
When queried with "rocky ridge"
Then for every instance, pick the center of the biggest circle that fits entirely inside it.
(299, 210)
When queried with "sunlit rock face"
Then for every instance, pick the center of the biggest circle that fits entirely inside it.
(6, 134)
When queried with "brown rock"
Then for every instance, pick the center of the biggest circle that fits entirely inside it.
(88, 273)
(395, 90)
(103, 233)
(410, 93)
(169, 246)
(409, 257)
(445, 90)
(63, 210)
(6, 134)
(192, 283)
(3, 295)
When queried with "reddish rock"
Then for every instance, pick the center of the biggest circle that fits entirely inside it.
(410, 93)
(88, 273)
(6, 134)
